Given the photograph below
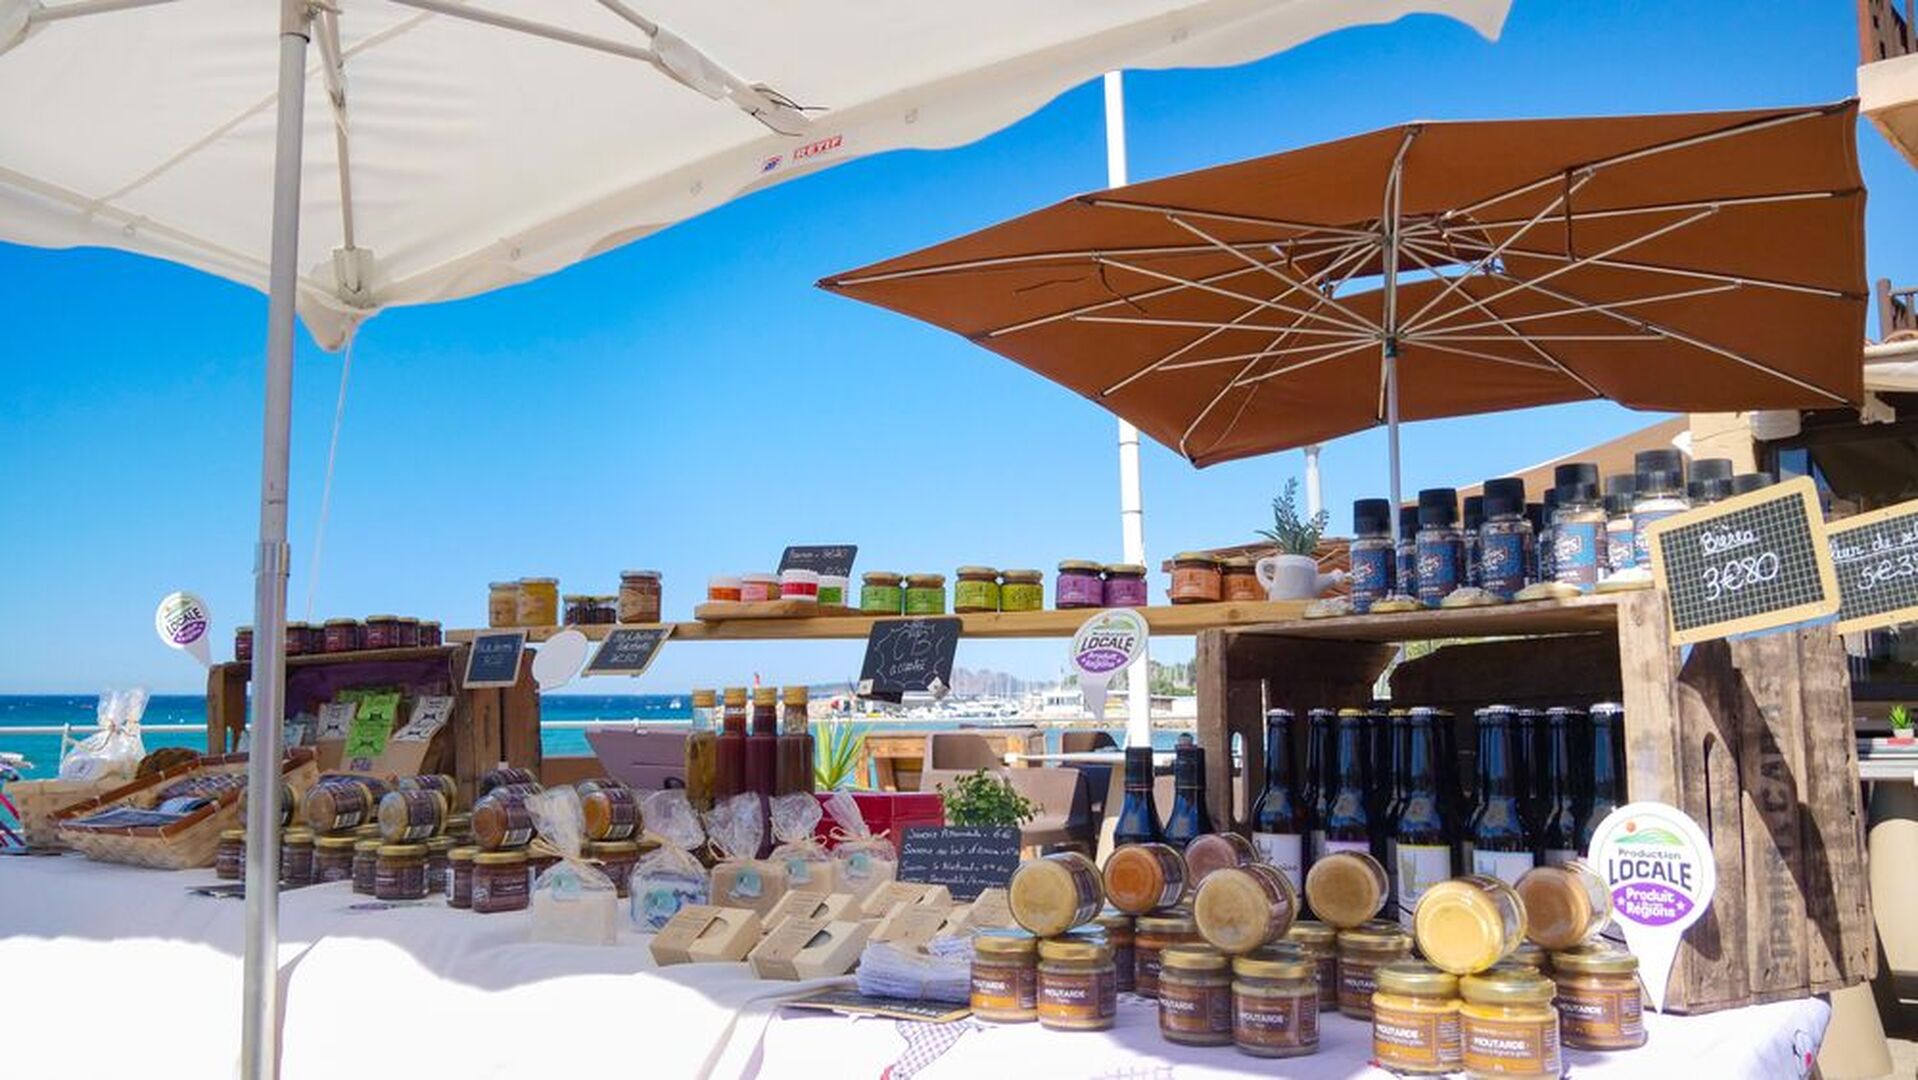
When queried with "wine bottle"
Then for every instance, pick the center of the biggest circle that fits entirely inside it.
(1558, 825)
(1188, 817)
(1138, 817)
(1319, 761)
(1502, 845)
(1347, 825)
(1607, 769)
(1425, 834)
(1280, 818)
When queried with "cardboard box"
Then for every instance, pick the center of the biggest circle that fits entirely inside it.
(756, 884)
(809, 949)
(702, 933)
(811, 905)
(883, 899)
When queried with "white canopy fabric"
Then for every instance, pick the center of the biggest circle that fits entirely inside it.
(458, 156)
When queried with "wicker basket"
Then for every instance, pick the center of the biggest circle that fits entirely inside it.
(39, 800)
(186, 843)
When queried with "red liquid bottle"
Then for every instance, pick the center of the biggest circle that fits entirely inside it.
(762, 757)
(795, 745)
(729, 770)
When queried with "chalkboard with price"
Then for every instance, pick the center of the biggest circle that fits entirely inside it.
(1754, 562)
(1876, 556)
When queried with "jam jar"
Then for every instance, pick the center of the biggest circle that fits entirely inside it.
(538, 601)
(439, 857)
(1152, 935)
(1196, 578)
(1415, 1019)
(296, 639)
(1022, 590)
(1217, 851)
(430, 635)
(1005, 976)
(1363, 950)
(409, 632)
(616, 859)
(1238, 580)
(1319, 943)
(925, 594)
(501, 820)
(1077, 987)
(882, 593)
(500, 882)
(340, 635)
(296, 856)
(1598, 999)
(577, 609)
(610, 813)
(399, 872)
(1275, 1003)
(382, 632)
(459, 876)
(440, 782)
(506, 776)
(409, 816)
(333, 859)
(1080, 584)
(1053, 894)
(337, 804)
(1125, 586)
(1508, 1026)
(1121, 937)
(639, 596)
(366, 860)
(229, 857)
(1195, 996)
(502, 604)
(975, 590)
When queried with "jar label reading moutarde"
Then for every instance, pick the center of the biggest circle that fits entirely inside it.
(1599, 1018)
(1197, 1010)
(1528, 1047)
(1285, 851)
(1419, 1040)
(1276, 1021)
(1357, 980)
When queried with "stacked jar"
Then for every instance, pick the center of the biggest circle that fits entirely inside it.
(502, 828)
(1057, 899)
(1197, 578)
(976, 590)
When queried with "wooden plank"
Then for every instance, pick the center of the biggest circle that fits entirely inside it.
(1306, 673)
(771, 609)
(1648, 673)
(1582, 615)
(1714, 961)
(1538, 672)
(225, 705)
(1210, 681)
(519, 719)
(1843, 939)
(1771, 751)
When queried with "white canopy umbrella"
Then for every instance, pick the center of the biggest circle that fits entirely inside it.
(463, 146)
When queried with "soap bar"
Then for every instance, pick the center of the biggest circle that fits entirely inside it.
(816, 872)
(884, 899)
(992, 910)
(758, 884)
(808, 905)
(702, 933)
(571, 912)
(910, 926)
(809, 949)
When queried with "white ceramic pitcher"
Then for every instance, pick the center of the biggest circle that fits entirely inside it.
(1294, 577)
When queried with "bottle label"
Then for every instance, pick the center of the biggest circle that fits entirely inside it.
(1421, 866)
(1578, 550)
(1372, 572)
(1407, 560)
(1502, 564)
(1621, 552)
(1507, 866)
(1526, 1047)
(1546, 571)
(1438, 566)
(1473, 571)
(1333, 847)
(1560, 856)
(1283, 851)
(1317, 840)
(1641, 543)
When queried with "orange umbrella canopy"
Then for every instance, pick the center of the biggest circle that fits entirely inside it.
(1693, 262)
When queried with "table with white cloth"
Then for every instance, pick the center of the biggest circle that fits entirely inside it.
(111, 971)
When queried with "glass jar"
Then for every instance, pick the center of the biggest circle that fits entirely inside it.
(340, 635)
(1152, 935)
(336, 804)
(832, 590)
(459, 876)
(501, 821)
(1077, 986)
(799, 583)
(1508, 1027)
(448, 787)
(409, 632)
(1239, 581)
(366, 861)
(1618, 523)
(1658, 492)
(1373, 555)
(296, 639)
(1346, 888)
(242, 644)
(1240, 909)
(1579, 533)
(1469, 923)
(1117, 926)
(502, 604)
(439, 852)
(538, 601)
(724, 589)
(500, 882)
(925, 594)
(1079, 584)
(407, 816)
(1125, 586)
(1276, 998)
(296, 856)
(758, 588)
(610, 813)
(1320, 944)
(639, 596)
(1529, 955)
(577, 608)
(430, 634)
(1005, 976)
(1565, 905)
(975, 590)
(1144, 877)
(1023, 590)
(400, 872)
(1598, 998)
(333, 859)
(1196, 578)
(1415, 1025)
(1363, 950)
(1217, 851)
(229, 855)
(881, 593)
(1053, 894)
(506, 776)
(616, 859)
(1195, 996)
(382, 632)
(1440, 546)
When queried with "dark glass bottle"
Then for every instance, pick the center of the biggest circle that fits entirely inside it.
(1320, 759)
(1188, 817)
(1347, 826)
(762, 757)
(1280, 818)
(1502, 844)
(1607, 769)
(1558, 823)
(1138, 816)
(795, 770)
(1395, 804)
(1456, 786)
(729, 756)
(1530, 747)
(1425, 834)
(1379, 783)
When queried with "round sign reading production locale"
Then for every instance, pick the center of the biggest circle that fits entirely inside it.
(182, 621)
(558, 659)
(1658, 864)
(1106, 644)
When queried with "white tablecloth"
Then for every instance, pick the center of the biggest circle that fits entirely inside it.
(115, 972)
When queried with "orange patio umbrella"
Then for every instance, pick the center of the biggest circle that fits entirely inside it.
(1690, 262)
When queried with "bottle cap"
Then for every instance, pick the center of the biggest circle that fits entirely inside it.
(1658, 470)
(1504, 496)
(1438, 508)
(1711, 489)
(1408, 521)
(1618, 493)
(1711, 468)
(1474, 512)
(1575, 472)
(1372, 517)
(1535, 513)
(1745, 483)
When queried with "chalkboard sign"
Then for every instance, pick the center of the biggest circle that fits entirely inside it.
(826, 560)
(628, 652)
(966, 859)
(1754, 562)
(1876, 556)
(906, 655)
(494, 659)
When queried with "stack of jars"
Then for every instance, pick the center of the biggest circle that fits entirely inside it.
(394, 844)
(496, 874)
(346, 635)
(1060, 969)
(535, 601)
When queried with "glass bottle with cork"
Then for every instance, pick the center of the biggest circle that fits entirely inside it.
(729, 772)
(1373, 555)
(702, 750)
(1347, 826)
(1504, 538)
(1441, 549)
(1502, 844)
(1558, 823)
(762, 754)
(1138, 817)
(1606, 767)
(1188, 817)
(1280, 818)
(1619, 552)
(795, 749)
(1578, 527)
(1658, 486)
(1425, 834)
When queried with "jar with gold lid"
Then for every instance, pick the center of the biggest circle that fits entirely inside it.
(1565, 905)
(296, 856)
(229, 855)
(1125, 585)
(1275, 1003)
(501, 881)
(639, 596)
(381, 632)
(333, 858)
(1320, 944)
(409, 632)
(459, 876)
(1531, 956)
(1598, 998)
(1053, 894)
(1152, 935)
(1363, 950)
(1120, 935)
(576, 608)
(975, 590)
(1195, 996)
(440, 782)
(1079, 584)
(882, 593)
(1415, 1019)
(366, 861)
(1217, 851)
(339, 635)
(1508, 1026)
(1022, 590)
(409, 816)
(399, 872)
(1144, 877)
(616, 859)
(1238, 580)
(1245, 908)
(1346, 888)
(1005, 976)
(439, 851)
(925, 594)
(1077, 986)
(1469, 923)
(1196, 578)
(610, 813)
(502, 604)
(337, 804)
(538, 601)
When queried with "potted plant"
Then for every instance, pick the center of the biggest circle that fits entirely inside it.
(1901, 726)
(838, 756)
(980, 798)
(1293, 573)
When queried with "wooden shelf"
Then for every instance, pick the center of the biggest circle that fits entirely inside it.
(357, 656)
(1172, 619)
(1538, 618)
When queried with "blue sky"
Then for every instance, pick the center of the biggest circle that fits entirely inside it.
(692, 403)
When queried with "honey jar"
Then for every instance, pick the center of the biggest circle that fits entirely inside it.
(1051, 895)
(1415, 1019)
(502, 604)
(538, 601)
(1275, 1004)
(1508, 1027)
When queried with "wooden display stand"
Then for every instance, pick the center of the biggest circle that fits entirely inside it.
(1751, 738)
(487, 726)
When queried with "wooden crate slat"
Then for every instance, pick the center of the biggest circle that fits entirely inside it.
(1467, 676)
(519, 718)
(1844, 943)
(1771, 768)
(1712, 967)
(1648, 670)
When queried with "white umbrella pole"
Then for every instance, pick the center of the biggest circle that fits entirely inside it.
(1138, 729)
(1389, 323)
(259, 1033)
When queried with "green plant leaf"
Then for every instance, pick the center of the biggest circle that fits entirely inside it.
(980, 798)
(837, 751)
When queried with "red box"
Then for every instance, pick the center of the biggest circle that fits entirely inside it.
(887, 813)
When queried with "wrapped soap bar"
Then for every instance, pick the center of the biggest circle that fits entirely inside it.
(809, 949)
(865, 861)
(831, 907)
(701, 933)
(882, 900)
(573, 901)
(809, 866)
(668, 878)
(740, 880)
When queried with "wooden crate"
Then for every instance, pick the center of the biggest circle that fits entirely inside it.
(1752, 738)
(487, 726)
